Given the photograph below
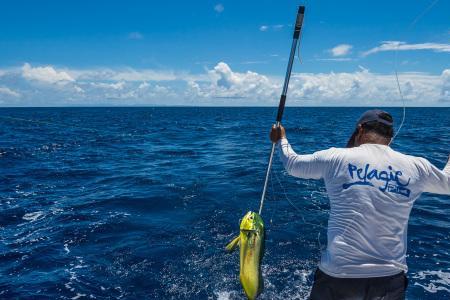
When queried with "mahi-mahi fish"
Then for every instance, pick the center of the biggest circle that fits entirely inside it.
(251, 243)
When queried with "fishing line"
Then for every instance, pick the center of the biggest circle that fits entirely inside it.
(410, 27)
(287, 198)
(294, 206)
(421, 15)
(300, 38)
(401, 97)
(322, 227)
(273, 197)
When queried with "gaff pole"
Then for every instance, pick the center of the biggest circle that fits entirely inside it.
(297, 30)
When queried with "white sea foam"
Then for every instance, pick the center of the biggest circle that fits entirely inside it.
(223, 295)
(434, 280)
(33, 216)
(78, 296)
(73, 279)
(66, 248)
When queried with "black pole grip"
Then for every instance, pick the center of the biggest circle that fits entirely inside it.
(281, 107)
(299, 21)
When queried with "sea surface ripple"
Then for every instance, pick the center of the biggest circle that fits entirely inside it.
(133, 203)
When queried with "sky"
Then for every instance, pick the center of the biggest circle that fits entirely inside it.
(223, 53)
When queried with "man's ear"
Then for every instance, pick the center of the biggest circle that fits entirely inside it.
(359, 134)
(360, 130)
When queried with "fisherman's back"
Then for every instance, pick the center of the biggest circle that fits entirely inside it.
(371, 189)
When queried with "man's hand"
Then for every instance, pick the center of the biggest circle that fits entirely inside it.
(277, 133)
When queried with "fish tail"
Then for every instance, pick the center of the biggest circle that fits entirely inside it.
(232, 245)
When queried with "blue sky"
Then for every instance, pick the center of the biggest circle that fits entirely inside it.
(181, 52)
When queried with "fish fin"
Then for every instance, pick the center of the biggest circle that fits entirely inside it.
(261, 284)
(232, 245)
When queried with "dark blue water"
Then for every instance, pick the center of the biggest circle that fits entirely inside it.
(140, 202)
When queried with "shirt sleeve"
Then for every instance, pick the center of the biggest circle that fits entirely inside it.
(437, 181)
(309, 166)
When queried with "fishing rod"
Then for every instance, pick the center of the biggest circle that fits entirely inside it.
(297, 30)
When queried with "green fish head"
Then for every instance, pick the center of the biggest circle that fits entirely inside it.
(252, 222)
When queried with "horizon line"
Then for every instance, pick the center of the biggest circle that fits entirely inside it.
(216, 106)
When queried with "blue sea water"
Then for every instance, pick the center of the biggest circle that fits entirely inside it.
(102, 203)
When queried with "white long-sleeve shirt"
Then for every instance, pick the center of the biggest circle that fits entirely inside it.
(371, 189)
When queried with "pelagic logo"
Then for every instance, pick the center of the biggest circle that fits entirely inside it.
(390, 180)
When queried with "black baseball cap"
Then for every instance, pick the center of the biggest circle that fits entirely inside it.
(376, 115)
(373, 115)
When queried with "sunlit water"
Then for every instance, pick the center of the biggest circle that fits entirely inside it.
(140, 202)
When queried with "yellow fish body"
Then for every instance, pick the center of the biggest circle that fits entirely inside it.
(251, 243)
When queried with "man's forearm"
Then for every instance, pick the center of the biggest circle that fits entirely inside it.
(307, 166)
(287, 154)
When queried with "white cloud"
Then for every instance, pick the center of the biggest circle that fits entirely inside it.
(218, 86)
(224, 83)
(124, 74)
(341, 50)
(114, 86)
(219, 8)
(366, 88)
(277, 27)
(402, 46)
(45, 74)
(135, 35)
(143, 85)
(357, 88)
(445, 91)
(8, 92)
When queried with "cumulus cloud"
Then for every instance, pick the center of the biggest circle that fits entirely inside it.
(341, 50)
(221, 85)
(45, 74)
(361, 87)
(224, 83)
(8, 92)
(114, 86)
(445, 91)
(402, 46)
(219, 8)
(124, 74)
(143, 85)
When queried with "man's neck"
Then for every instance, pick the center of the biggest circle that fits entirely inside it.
(374, 139)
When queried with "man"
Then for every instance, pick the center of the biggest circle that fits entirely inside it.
(371, 189)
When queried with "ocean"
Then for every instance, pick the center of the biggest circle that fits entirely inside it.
(132, 203)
